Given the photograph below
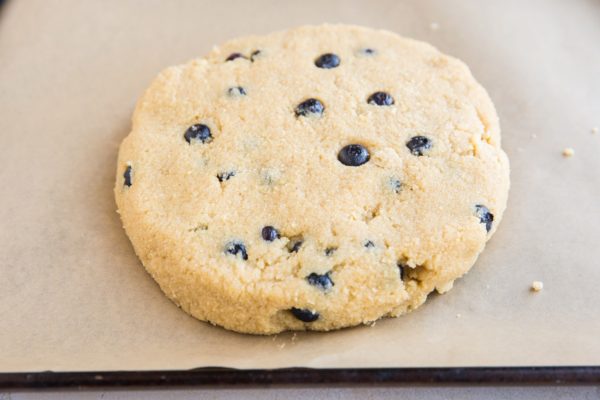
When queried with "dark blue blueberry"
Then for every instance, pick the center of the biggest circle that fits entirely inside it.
(380, 99)
(369, 244)
(323, 281)
(353, 155)
(485, 216)
(294, 244)
(327, 61)
(367, 51)
(198, 133)
(330, 250)
(233, 56)
(236, 91)
(304, 314)
(418, 145)
(236, 248)
(310, 107)
(224, 176)
(254, 55)
(269, 233)
(127, 176)
(395, 185)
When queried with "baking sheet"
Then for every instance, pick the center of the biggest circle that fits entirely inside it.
(74, 297)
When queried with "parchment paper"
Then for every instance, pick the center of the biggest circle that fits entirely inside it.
(73, 295)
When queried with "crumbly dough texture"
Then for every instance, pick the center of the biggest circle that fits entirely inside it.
(376, 238)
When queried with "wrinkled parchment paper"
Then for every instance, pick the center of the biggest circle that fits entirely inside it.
(73, 295)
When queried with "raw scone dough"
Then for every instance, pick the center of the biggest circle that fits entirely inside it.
(317, 178)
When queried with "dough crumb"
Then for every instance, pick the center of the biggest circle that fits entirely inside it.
(458, 315)
(434, 26)
(594, 130)
(536, 286)
(533, 136)
(568, 152)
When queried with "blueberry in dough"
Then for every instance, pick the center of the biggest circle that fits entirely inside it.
(304, 314)
(327, 61)
(225, 176)
(485, 216)
(310, 107)
(234, 56)
(127, 176)
(323, 281)
(236, 91)
(269, 233)
(380, 99)
(354, 155)
(294, 244)
(198, 133)
(418, 145)
(236, 248)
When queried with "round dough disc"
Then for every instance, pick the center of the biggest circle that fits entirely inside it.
(316, 178)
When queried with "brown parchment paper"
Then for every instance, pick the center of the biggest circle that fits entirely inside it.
(73, 295)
